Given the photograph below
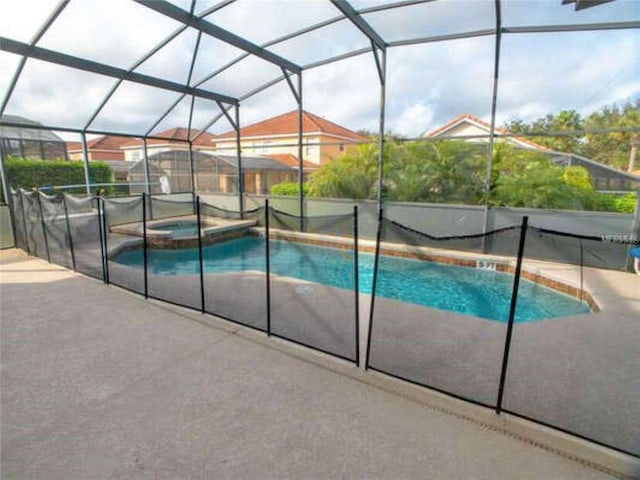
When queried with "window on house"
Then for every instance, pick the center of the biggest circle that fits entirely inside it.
(262, 147)
(341, 147)
(309, 148)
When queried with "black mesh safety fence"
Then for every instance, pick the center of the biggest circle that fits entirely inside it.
(124, 241)
(169, 206)
(441, 308)
(172, 259)
(576, 366)
(234, 265)
(85, 234)
(35, 232)
(216, 211)
(56, 228)
(20, 232)
(313, 275)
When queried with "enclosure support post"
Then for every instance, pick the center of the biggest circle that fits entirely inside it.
(297, 94)
(373, 287)
(8, 199)
(3, 177)
(85, 162)
(356, 282)
(240, 172)
(66, 217)
(193, 175)
(202, 300)
(267, 263)
(147, 182)
(494, 101)
(512, 313)
(300, 160)
(44, 228)
(382, 71)
(144, 245)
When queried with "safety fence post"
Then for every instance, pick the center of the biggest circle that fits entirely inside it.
(200, 261)
(44, 229)
(24, 221)
(66, 216)
(512, 313)
(144, 244)
(373, 286)
(103, 226)
(356, 282)
(267, 212)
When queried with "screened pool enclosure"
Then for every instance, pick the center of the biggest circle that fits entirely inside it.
(416, 272)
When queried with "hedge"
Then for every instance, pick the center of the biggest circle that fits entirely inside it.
(289, 188)
(27, 174)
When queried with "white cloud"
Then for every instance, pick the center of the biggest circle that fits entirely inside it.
(412, 120)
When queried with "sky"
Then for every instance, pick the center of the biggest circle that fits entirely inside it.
(426, 85)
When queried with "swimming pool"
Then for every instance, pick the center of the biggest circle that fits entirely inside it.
(465, 290)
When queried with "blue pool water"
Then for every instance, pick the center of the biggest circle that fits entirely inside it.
(464, 290)
(180, 229)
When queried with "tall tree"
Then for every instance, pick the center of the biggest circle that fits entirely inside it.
(564, 121)
(612, 148)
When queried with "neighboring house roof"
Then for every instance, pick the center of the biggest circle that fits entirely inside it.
(105, 142)
(571, 159)
(173, 136)
(26, 133)
(291, 160)
(287, 124)
(481, 124)
(254, 163)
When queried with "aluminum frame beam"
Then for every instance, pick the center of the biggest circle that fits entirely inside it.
(362, 25)
(492, 128)
(579, 27)
(20, 48)
(182, 16)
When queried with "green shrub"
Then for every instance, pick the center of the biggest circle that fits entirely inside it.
(289, 188)
(610, 202)
(28, 174)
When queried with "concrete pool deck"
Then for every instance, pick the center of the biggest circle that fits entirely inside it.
(99, 383)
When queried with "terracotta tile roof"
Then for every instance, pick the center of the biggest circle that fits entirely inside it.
(466, 116)
(291, 160)
(107, 142)
(287, 123)
(71, 146)
(104, 142)
(175, 135)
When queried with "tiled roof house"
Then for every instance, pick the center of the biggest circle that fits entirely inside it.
(279, 136)
(175, 140)
(469, 125)
(106, 147)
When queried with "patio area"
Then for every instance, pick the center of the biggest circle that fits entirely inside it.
(99, 383)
